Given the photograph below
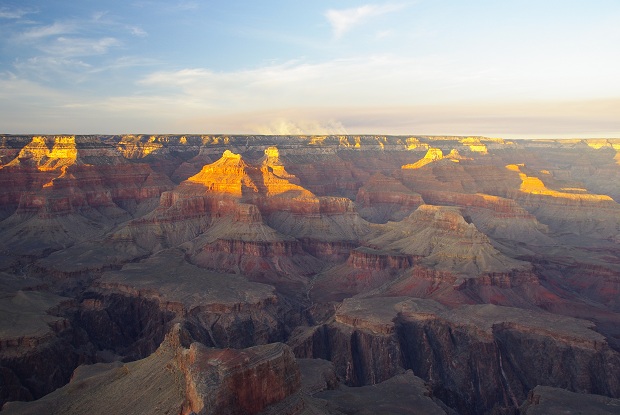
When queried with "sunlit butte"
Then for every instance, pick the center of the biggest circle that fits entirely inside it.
(231, 175)
(37, 153)
(535, 186)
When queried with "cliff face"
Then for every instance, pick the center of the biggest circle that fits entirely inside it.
(37, 348)
(221, 310)
(239, 381)
(471, 355)
(445, 241)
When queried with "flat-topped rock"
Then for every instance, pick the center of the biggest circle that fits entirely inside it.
(379, 315)
(25, 318)
(403, 394)
(169, 278)
(488, 317)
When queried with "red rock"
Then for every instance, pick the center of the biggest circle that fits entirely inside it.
(239, 381)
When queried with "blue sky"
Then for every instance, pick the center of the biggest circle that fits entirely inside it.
(514, 69)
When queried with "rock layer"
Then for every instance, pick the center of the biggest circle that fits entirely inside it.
(471, 355)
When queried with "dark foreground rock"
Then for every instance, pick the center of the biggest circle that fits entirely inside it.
(472, 356)
(179, 378)
(543, 400)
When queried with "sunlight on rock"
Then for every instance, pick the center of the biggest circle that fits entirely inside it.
(414, 143)
(433, 154)
(475, 145)
(533, 185)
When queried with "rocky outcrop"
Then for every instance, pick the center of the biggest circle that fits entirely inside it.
(475, 145)
(253, 249)
(37, 347)
(507, 208)
(472, 355)
(384, 198)
(73, 192)
(543, 400)
(239, 381)
(403, 394)
(365, 269)
(500, 218)
(178, 378)
(268, 185)
(444, 241)
(433, 154)
(335, 219)
(486, 175)
(220, 310)
(370, 259)
(569, 210)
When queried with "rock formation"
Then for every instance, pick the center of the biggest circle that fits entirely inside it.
(433, 274)
(37, 348)
(384, 198)
(554, 401)
(178, 378)
(472, 355)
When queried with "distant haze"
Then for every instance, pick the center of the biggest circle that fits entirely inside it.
(526, 69)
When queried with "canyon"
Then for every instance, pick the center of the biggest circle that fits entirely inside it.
(223, 274)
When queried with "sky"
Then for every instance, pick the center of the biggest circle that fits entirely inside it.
(511, 69)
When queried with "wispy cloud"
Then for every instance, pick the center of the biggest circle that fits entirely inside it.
(168, 6)
(344, 20)
(341, 81)
(137, 31)
(53, 69)
(187, 5)
(14, 13)
(55, 29)
(22, 100)
(70, 46)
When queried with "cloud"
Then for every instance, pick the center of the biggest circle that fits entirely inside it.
(345, 82)
(46, 31)
(344, 20)
(53, 69)
(138, 31)
(187, 5)
(9, 13)
(70, 46)
(26, 107)
(354, 81)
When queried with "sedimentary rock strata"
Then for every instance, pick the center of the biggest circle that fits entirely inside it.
(453, 274)
(470, 355)
(177, 378)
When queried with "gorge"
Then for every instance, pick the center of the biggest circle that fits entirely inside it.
(222, 274)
